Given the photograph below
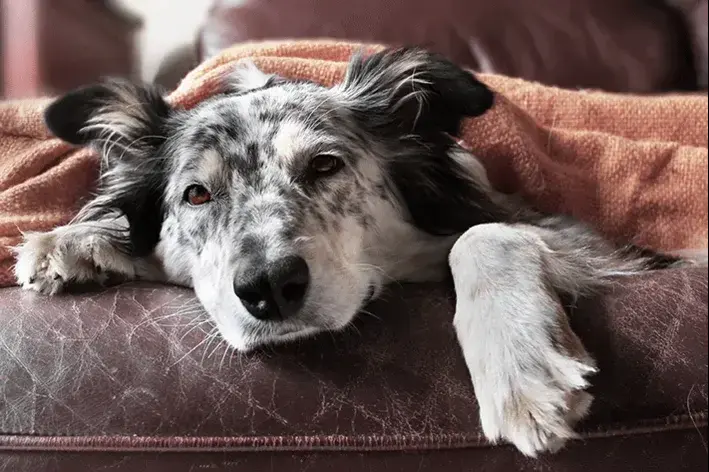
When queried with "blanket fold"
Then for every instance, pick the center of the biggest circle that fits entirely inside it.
(634, 167)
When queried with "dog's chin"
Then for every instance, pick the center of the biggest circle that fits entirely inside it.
(284, 338)
(269, 334)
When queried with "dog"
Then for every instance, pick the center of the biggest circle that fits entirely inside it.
(288, 206)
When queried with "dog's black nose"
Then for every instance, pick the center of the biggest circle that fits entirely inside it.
(275, 291)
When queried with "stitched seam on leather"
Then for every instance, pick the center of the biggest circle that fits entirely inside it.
(314, 443)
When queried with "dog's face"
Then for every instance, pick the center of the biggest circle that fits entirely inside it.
(288, 205)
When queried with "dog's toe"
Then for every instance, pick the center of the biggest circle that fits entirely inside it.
(540, 426)
(37, 268)
(537, 412)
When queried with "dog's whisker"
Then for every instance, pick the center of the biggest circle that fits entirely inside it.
(370, 314)
(188, 353)
(227, 352)
(196, 326)
(213, 335)
(220, 342)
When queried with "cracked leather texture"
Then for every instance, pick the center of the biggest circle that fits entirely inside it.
(125, 379)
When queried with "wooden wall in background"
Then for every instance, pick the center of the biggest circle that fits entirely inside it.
(51, 46)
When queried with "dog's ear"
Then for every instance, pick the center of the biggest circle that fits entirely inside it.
(115, 108)
(417, 100)
(413, 91)
(126, 123)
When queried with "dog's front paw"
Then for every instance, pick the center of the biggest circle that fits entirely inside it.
(536, 407)
(528, 367)
(47, 262)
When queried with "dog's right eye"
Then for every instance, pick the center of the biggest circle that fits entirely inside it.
(197, 195)
(324, 165)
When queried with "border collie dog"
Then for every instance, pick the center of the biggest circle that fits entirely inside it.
(287, 206)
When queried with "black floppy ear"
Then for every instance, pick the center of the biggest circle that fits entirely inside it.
(417, 90)
(67, 116)
(87, 113)
(126, 124)
(417, 100)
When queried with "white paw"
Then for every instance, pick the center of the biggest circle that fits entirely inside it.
(47, 262)
(537, 407)
(528, 367)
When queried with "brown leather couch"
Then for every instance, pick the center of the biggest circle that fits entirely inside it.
(127, 379)
(123, 380)
(638, 46)
(617, 45)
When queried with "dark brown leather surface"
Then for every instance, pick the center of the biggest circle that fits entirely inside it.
(127, 370)
(616, 45)
(695, 13)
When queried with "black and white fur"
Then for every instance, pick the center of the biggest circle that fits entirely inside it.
(405, 200)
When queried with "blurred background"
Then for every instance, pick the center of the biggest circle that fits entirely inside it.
(633, 46)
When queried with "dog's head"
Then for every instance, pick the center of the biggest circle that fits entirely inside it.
(287, 204)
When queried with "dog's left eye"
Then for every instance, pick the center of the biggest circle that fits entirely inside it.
(197, 195)
(325, 165)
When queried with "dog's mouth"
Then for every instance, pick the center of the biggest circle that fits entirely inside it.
(295, 335)
(284, 337)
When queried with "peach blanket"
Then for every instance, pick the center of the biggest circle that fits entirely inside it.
(635, 167)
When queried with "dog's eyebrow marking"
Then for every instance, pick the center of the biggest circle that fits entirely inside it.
(291, 139)
(211, 165)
